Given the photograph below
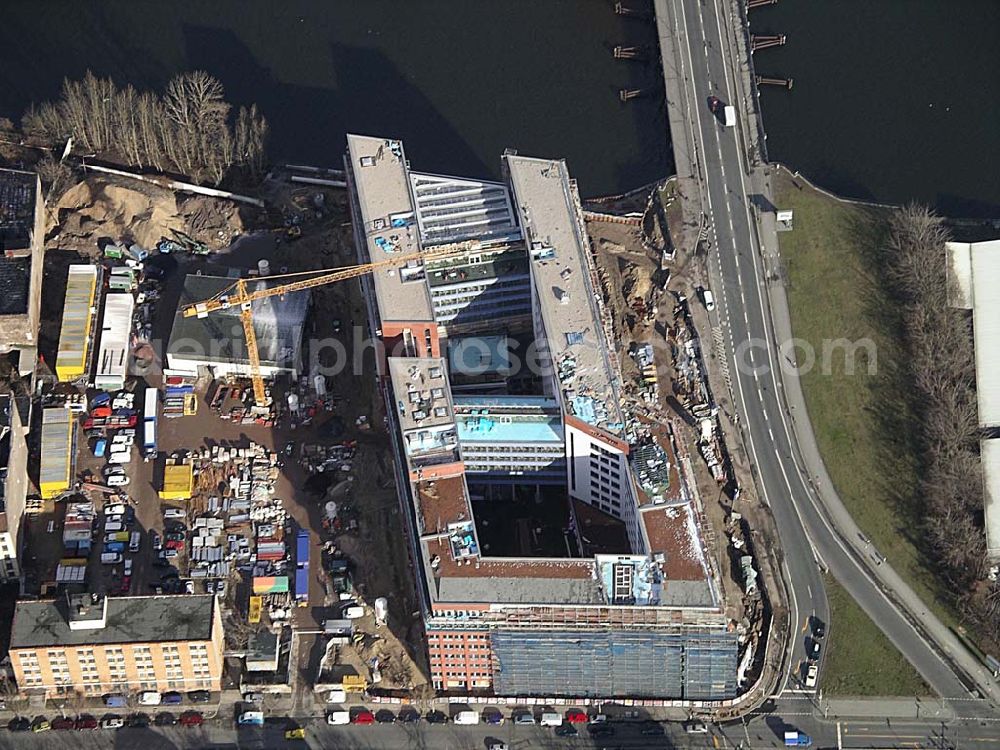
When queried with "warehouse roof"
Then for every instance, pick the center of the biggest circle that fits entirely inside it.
(976, 272)
(130, 619)
(989, 451)
(17, 209)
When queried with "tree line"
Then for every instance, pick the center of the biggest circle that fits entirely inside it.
(942, 368)
(188, 129)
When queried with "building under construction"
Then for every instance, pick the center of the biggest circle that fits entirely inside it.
(503, 396)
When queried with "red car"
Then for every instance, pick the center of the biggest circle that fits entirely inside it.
(86, 722)
(576, 717)
(363, 717)
(191, 719)
(100, 411)
(63, 722)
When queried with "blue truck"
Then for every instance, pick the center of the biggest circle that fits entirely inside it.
(795, 738)
(302, 568)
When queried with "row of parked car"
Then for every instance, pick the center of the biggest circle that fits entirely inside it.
(108, 721)
(564, 725)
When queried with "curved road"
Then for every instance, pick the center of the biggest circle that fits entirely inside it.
(728, 188)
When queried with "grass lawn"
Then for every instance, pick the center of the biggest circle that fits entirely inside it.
(862, 420)
(860, 660)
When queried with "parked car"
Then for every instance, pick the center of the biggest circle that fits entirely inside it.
(63, 723)
(524, 718)
(199, 696)
(364, 716)
(813, 648)
(566, 730)
(172, 698)
(191, 719)
(100, 447)
(173, 513)
(150, 698)
(251, 718)
(40, 724)
(137, 721)
(86, 721)
(111, 721)
(652, 729)
(812, 672)
(600, 730)
(437, 717)
(19, 724)
(165, 720)
(408, 716)
(695, 727)
(336, 718)
(295, 733)
(576, 716)
(117, 480)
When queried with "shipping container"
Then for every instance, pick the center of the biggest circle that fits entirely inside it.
(302, 549)
(178, 482)
(58, 451)
(302, 586)
(73, 355)
(116, 339)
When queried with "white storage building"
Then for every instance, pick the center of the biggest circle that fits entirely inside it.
(116, 335)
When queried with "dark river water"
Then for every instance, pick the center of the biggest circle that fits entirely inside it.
(893, 99)
(458, 80)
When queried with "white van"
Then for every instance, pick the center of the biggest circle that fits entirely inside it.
(149, 698)
(466, 717)
(335, 718)
(111, 558)
(708, 298)
(113, 527)
(119, 458)
(551, 720)
(336, 696)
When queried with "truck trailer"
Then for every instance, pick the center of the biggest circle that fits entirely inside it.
(302, 568)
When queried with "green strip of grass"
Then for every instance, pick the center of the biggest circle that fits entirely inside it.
(860, 660)
(862, 419)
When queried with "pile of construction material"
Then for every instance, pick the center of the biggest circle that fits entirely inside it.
(209, 556)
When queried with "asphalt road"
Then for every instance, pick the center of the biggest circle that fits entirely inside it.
(756, 733)
(729, 189)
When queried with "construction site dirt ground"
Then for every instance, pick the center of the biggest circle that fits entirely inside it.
(378, 550)
(641, 306)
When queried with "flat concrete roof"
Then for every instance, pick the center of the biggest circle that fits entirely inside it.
(422, 393)
(560, 265)
(989, 452)
(130, 619)
(381, 179)
(986, 328)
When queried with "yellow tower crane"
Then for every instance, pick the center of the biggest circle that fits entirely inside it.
(238, 294)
